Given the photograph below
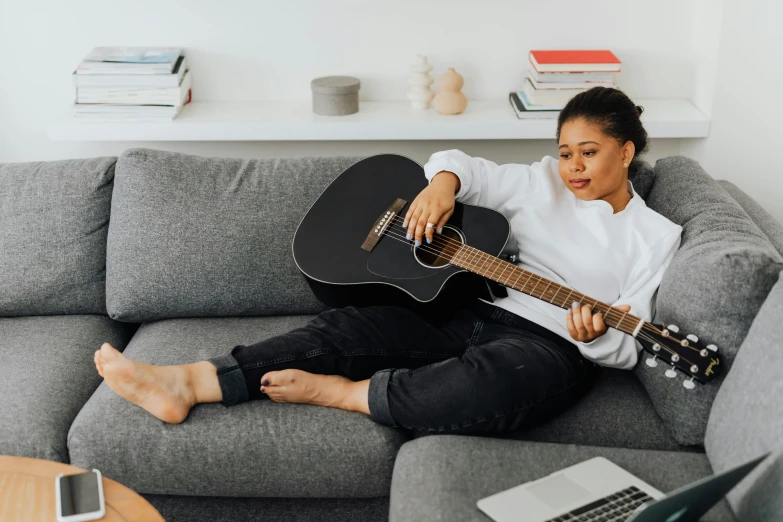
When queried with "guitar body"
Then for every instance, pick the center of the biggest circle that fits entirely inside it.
(327, 246)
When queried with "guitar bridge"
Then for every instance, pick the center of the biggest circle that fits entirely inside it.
(382, 223)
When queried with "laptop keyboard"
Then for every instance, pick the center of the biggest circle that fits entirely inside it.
(613, 508)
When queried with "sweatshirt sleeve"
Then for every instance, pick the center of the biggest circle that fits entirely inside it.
(615, 348)
(482, 182)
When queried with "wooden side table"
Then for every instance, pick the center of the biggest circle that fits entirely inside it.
(27, 493)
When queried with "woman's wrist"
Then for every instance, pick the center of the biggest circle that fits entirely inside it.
(448, 177)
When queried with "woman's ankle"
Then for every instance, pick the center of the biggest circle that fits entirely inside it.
(357, 397)
(203, 382)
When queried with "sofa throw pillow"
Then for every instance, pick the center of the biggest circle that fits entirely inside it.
(195, 236)
(713, 288)
(54, 218)
(747, 418)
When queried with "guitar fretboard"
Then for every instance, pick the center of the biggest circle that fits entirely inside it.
(512, 276)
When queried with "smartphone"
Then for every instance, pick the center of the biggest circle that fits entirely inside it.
(80, 496)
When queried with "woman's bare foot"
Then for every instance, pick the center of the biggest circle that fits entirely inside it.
(163, 391)
(322, 390)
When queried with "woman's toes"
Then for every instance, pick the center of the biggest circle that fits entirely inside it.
(109, 353)
(272, 378)
(275, 394)
(98, 362)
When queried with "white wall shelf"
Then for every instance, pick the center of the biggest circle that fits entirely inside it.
(376, 120)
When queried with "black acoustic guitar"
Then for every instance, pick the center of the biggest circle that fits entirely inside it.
(352, 250)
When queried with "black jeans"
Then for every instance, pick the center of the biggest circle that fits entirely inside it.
(481, 370)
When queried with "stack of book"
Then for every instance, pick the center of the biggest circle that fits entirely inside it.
(121, 84)
(557, 76)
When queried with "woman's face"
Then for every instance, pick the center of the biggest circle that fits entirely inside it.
(591, 163)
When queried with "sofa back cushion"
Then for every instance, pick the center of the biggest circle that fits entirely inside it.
(713, 288)
(642, 178)
(747, 417)
(768, 224)
(193, 236)
(54, 218)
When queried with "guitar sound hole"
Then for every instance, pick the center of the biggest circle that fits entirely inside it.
(443, 247)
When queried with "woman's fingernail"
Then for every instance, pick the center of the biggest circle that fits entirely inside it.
(265, 382)
(440, 230)
(262, 390)
(417, 243)
(408, 236)
(576, 304)
(404, 224)
(429, 241)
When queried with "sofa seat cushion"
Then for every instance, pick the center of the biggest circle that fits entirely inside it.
(54, 220)
(46, 375)
(203, 237)
(713, 287)
(253, 449)
(617, 412)
(441, 477)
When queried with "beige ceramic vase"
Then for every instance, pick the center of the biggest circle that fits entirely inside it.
(450, 100)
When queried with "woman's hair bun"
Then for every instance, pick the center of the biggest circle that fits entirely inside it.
(640, 109)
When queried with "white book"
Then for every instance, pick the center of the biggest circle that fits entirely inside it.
(135, 95)
(129, 116)
(133, 80)
(575, 77)
(567, 85)
(556, 99)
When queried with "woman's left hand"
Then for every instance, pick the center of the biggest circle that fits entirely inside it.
(585, 326)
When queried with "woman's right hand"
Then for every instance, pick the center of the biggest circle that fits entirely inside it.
(434, 204)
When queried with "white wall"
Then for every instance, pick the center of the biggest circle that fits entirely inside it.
(745, 141)
(243, 50)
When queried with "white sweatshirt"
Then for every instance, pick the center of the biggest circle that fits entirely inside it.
(615, 258)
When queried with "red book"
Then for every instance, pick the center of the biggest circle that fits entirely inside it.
(574, 61)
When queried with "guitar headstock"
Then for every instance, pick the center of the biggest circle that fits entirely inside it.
(685, 353)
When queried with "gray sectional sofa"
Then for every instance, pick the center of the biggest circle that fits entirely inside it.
(177, 258)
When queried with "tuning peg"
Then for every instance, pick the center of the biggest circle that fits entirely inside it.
(670, 373)
(689, 384)
(692, 338)
(673, 328)
(712, 347)
(652, 362)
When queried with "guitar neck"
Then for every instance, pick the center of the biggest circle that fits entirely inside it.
(530, 283)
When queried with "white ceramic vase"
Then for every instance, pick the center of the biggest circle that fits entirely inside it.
(419, 93)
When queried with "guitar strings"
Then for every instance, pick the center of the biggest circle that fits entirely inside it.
(406, 241)
(627, 323)
(440, 240)
(447, 243)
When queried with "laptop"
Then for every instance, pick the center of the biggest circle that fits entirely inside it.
(598, 490)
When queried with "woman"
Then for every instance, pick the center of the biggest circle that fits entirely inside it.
(491, 368)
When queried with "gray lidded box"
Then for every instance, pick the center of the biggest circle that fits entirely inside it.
(335, 95)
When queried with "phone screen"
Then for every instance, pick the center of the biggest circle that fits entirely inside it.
(79, 494)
